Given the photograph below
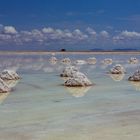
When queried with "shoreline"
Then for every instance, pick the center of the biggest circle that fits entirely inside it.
(67, 52)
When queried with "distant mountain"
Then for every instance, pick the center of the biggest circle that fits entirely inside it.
(125, 49)
(97, 49)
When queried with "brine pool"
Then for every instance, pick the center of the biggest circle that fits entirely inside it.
(40, 108)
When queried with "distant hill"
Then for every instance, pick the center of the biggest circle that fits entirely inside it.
(124, 49)
(97, 49)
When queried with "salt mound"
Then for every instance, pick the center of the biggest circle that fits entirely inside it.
(91, 60)
(133, 60)
(53, 54)
(117, 69)
(3, 87)
(107, 61)
(80, 62)
(9, 75)
(53, 60)
(135, 76)
(78, 79)
(69, 71)
(66, 61)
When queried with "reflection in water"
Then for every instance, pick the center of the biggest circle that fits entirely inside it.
(107, 61)
(103, 67)
(3, 96)
(31, 106)
(65, 78)
(11, 83)
(136, 85)
(78, 91)
(48, 69)
(53, 62)
(117, 77)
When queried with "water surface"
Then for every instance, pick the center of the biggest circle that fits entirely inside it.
(40, 108)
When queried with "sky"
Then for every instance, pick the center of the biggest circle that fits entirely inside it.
(70, 24)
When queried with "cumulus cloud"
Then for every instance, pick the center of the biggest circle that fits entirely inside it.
(10, 30)
(47, 30)
(104, 34)
(53, 36)
(92, 35)
(133, 34)
(49, 35)
(79, 35)
(5, 37)
(91, 31)
(127, 36)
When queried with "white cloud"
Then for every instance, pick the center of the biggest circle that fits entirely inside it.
(104, 34)
(78, 35)
(130, 34)
(51, 36)
(10, 30)
(47, 30)
(5, 37)
(68, 34)
(127, 36)
(91, 31)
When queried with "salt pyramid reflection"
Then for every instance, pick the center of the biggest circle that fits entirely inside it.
(107, 61)
(11, 83)
(136, 85)
(3, 96)
(117, 77)
(78, 91)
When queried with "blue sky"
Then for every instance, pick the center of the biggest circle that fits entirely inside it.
(70, 24)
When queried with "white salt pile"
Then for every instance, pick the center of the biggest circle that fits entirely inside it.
(133, 60)
(80, 62)
(135, 76)
(117, 69)
(69, 71)
(3, 87)
(9, 75)
(66, 61)
(53, 60)
(107, 61)
(91, 60)
(78, 79)
(75, 78)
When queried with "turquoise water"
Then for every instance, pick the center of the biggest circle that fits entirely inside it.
(40, 108)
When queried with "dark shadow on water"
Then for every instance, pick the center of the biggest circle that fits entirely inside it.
(56, 101)
(32, 85)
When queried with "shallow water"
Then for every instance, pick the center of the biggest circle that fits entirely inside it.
(40, 108)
